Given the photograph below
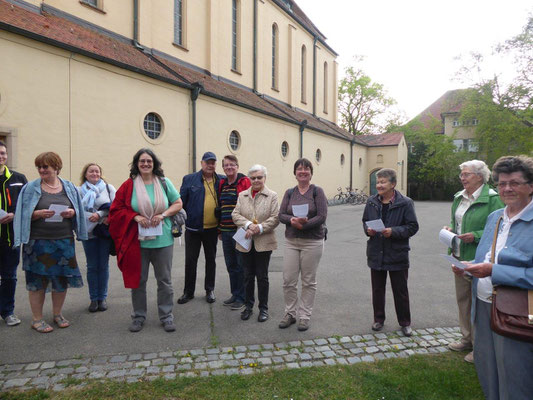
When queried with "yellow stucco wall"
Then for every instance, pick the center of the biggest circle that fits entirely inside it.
(207, 42)
(117, 15)
(86, 111)
(392, 157)
(460, 132)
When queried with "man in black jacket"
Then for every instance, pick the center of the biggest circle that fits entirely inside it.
(11, 183)
(388, 249)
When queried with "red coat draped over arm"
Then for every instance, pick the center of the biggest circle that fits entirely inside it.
(125, 234)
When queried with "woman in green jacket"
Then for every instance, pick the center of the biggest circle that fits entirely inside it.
(470, 209)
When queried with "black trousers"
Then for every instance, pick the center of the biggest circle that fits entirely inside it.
(398, 280)
(193, 241)
(255, 264)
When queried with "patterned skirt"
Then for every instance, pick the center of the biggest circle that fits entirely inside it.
(51, 265)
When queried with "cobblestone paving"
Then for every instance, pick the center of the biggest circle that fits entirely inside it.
(242, 360)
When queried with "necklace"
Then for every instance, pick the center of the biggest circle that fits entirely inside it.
(50, 186)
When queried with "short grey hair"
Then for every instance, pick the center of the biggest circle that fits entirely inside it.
(477, 167)
(387, 173)
(257, 168)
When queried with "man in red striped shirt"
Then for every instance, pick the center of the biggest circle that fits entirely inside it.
(228, 193)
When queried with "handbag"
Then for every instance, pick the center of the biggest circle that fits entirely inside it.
(512, 307)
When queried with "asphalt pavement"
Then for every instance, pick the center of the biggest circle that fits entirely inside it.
(342, 305)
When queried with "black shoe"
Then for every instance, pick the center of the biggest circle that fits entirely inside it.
(210, 296)
(102, 305)
(263, 316)
(407, 331)
(185, 298)
(377, 326)
(246, 314)
(230, 301)
(93, 307)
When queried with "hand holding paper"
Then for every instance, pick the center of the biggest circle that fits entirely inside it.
(240, 237)
(376, 225)
(57, 209)
(300, 210)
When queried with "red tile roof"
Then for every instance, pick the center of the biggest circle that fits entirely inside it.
(385, 139)
(67, 34)
(449, 102)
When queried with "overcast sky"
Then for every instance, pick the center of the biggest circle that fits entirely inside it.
(410, 45)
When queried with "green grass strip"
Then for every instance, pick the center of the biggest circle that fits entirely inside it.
(433, 377)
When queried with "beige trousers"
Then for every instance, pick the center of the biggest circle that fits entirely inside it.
(463, 293)
(301, 257)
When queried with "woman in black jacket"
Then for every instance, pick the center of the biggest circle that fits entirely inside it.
(388, 249)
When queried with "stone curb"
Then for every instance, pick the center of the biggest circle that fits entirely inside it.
(242, 360)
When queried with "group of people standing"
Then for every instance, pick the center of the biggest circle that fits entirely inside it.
(135, 222)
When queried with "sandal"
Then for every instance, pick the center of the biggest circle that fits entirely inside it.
(61, 322)
(41, 326)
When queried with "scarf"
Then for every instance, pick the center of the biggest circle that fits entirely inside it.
(146, 209)
(90, 192)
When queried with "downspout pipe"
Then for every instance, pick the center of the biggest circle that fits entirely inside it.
(136, 24)
(195, 92)
(255, 49)
(351, 164)
(303, 125)
(314, 75)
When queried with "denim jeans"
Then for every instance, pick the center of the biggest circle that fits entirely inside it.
(9, 260)
(234, 266)
(97, 254)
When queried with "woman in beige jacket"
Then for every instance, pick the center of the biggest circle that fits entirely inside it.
(257, 212)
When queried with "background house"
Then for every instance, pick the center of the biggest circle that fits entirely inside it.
(95, 80)
(443, 117)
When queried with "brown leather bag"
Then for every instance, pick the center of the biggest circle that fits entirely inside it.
(512, 307)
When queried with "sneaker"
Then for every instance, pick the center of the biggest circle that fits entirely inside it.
(237, 305)
(12, 320)
(230, 301)
(136, 325)
(287, 321)
(469, 358)
(303, 325)
(169, 326)
(460, 346)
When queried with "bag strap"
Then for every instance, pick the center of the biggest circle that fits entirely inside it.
(494, 240)
(530, 307)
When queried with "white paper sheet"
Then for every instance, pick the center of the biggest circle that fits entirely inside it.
(58, 209)
(152, 230)
(300, 210)
(2, 213)
(375, 224)
(448, 238)
(90, 225)
(240, 237)
(454, 261)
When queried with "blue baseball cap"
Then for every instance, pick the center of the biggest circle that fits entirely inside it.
(209, 155)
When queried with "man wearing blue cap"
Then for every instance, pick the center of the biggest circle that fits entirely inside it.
(199, 195)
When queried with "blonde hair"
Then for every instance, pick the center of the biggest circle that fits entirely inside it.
(84, 172)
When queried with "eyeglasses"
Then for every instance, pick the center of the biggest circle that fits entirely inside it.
(256, 178)
(512, 184)
(145, 162)
(465, 174)
(230, 165)
(45, 167)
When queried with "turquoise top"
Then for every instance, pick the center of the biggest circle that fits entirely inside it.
(171, 195)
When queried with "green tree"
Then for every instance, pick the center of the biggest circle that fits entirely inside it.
(504, 111)
(433, 162)
(363, 104)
